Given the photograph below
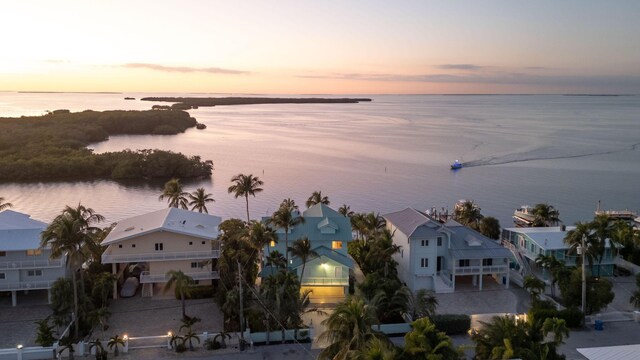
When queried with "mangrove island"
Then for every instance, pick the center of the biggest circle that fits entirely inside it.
(54, 146)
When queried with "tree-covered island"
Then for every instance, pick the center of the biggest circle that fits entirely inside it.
(185, 103)
(54, 147)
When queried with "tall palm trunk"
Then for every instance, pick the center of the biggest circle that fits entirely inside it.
(304, 263)
(246, 197)
(286, 245)
(184, 313)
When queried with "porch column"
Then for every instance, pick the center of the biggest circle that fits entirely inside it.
(508, 272)
(114, 271)
(481, 276)
(49, 296)
(14, 298)
(453, 274)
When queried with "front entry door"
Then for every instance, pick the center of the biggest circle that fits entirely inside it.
(439, 264)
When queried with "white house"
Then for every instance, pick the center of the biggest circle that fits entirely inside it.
(433, 255)
(23, 264)
(164, 240)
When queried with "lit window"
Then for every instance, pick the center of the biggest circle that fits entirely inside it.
(34, 252)
(272, 244)
(424, 262)
(336, 244)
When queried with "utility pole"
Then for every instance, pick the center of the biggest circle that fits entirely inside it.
(241, 308)
(584, 277)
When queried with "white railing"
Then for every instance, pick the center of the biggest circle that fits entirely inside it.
(160, 256)
(25, 285)
(481, 269)
(147, 277)
(30, 264)
(306, 281)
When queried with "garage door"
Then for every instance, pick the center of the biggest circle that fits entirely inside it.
(325, 294)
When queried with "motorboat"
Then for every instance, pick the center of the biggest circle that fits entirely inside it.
(523, 216)
(456, 165)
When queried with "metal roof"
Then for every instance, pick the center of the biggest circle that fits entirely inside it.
(409, 220)
(319, 217)
(172, 220)
(19, 231)
(484, 248)
(623, 352)
(547, 238)
(328, 253)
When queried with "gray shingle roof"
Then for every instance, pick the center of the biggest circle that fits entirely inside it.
(326, 252)
(19, 231)
(409, 220)
(462, 237)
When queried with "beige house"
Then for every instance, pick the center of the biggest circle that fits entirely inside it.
(148, 246)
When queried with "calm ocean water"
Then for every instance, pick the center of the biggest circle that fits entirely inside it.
(383, 156)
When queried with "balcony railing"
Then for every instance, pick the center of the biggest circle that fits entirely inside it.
(147, 277)
(160, 256)
(30, 264)
(469, 270)
(25, 285)
(308, 281)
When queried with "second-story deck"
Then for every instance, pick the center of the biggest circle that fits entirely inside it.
(324, 281)
(108, 258)
(31, 264)
(147, 277)
(26, 285)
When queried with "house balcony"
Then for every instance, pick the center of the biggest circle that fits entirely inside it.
(160, 256)
(31, 264)
(320, 281)
(146, 277)
(476, 270)
(26, 285)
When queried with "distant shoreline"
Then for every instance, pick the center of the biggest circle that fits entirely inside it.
(185, 103)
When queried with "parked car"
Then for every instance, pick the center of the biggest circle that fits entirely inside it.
(129, 287)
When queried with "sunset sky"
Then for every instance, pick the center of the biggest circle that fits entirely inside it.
(322, 47)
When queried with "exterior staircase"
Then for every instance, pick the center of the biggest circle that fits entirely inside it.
(147, 290)
(442, 286)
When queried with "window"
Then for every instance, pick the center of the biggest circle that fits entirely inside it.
(159, 247)
(2, 276)
(336, 244)
(424, 262)
(34, 273)
(425, 242)
(487, 262)
(190, 242)
(133, 245)
(272, 244)
(463, 262)
(34, 252)
(3, 253)
(119, 246)
(439, 240)
(204, 242)
(194, 265)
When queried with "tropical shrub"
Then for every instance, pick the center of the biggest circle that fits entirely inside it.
(452, 324)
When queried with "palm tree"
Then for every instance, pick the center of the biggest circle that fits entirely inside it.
(420, 304)
(174, 194)
(424, 341)
(559, 329)
(553, 266)
(183, 286)
(371, 224)
(4, 205)
(245, 185)
(302, 249)
(262, 235)
(467, 213)
(316, 198)
(545, 215)
(602, 233)
(114, 342)
(377, 349)
(190, 336)
(70, 233)
(534, 286)
(199, 200)
(574, 240)
(286, 217)
(345, 210)
(97, 344)
(276, 259)
(490, 227)
(348, 329)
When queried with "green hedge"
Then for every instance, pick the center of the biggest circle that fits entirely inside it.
(572, 316)
(452, 324)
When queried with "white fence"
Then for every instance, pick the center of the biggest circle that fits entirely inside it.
(304, 334)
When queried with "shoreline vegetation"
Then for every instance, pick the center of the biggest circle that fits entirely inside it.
(186, 103)
(53, 147)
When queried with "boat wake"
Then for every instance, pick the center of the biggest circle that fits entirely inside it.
(513, 158)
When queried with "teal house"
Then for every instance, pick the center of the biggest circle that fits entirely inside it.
(529, 243)
(327, 273)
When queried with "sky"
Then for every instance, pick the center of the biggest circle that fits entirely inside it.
(322, 47)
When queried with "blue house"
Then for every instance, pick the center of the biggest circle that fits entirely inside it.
(327, 273)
